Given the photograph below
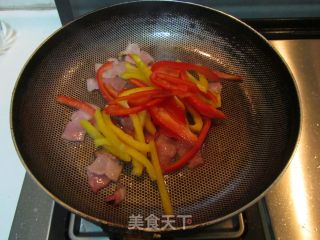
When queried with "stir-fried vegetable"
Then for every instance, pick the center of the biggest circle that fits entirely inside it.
(167, 97)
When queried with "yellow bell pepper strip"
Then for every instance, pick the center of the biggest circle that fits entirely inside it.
(149, 125)
(91, 130)
(135, 90)
(142, 117)
(136, 75)
(95, 134)
(144, 161)
(106, 144)
(98, 142)
(164, 195)
(126, 138)
(197, 120)
(203, 82)
(218, 97)
(137, 166)
(133, 72)
(141, 66)
(191, 78)
(110, 136)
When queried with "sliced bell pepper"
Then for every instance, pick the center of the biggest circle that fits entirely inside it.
(126, 138)
(182, 161)
(117, 110)
(180, 89)
(174, 109)
(204, 108)
(168, 122)
(135, 156)
(175, 81)
(164, 195)
(109, 147)
(107, 92)
(141, 97)
(197, 120)
(111, 136)
(137, 82)
(149, 126)
(141, 66)
(75, 103)
(210, 74)
(144, 161)
(91, 130)
(203, 82)
(189, 77)
(139, 136)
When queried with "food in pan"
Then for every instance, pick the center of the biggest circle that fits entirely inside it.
(157, 116)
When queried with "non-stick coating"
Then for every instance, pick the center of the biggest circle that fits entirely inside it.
(243, 154)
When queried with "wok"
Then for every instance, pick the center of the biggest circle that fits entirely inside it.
(244, 153)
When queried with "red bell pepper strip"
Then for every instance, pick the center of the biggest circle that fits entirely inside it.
(169, 123)
(204, 108)
(117, 110)
(182, 161)
(142, 97)
(180, 90)
(175, 109)
(75, 103)
(107, 92)
(210, 74)
(137, 82)
(180, 81)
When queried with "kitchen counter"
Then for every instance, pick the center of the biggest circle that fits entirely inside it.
(31, 27)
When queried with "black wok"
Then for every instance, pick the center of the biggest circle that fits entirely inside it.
(244, 154)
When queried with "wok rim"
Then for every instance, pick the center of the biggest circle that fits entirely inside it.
(152, 230)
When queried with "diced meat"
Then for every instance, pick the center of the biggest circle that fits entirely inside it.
(106, 164)
(113, 60)
(116, 82)
(126, 124)
(182, 147)
(215, 87)
(146, 57)
(118, 196)
(92, 84)
(73, 131)
(133, 48)
(97, 66)
(79, 114)
(196, 161)
(97, 182)
(128, 59)
(166, 148)
(115, 70)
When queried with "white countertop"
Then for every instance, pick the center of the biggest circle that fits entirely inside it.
(32, 27)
